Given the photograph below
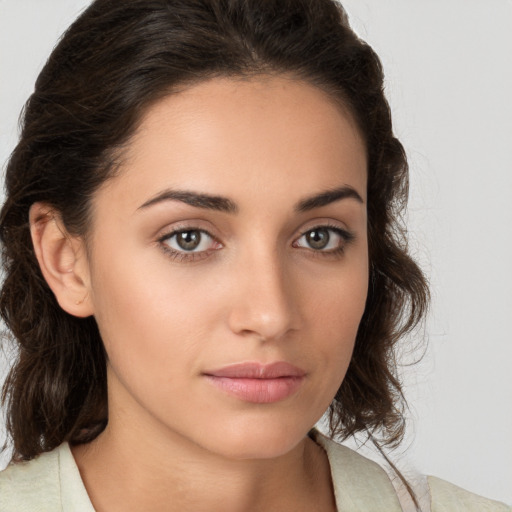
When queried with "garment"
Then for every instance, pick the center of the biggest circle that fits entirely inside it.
(52, 483)
(361, 485)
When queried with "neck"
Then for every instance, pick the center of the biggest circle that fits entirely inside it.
(127, 469)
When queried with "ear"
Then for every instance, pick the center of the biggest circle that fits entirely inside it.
(62, 259)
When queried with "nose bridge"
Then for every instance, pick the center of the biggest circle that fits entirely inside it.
(264, 305)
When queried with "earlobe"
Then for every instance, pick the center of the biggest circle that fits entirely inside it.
(62, 259)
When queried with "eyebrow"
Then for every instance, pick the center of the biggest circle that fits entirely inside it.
(224, 204)
(327, 197)
(198, 200)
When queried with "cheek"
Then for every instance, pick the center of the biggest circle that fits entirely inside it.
(334, 312)
(155, 318)
(132, 303)
(338, 304)
(332, 322)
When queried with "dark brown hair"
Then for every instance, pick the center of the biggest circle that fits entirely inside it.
(116, 60)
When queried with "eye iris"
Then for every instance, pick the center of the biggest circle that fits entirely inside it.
(188, 240)
(318, 238)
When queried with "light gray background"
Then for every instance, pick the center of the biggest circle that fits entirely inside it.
(449, 81)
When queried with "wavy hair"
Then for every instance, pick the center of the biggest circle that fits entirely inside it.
(112, 64)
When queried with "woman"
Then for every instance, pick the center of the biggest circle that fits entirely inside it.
(212, 259)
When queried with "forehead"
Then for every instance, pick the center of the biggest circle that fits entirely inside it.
(230, 136)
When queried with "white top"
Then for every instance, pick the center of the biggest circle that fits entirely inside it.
(52, 483)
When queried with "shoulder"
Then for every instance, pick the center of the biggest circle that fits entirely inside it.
(359, 483)
(32, 485)
(362, 484)
(447, 497)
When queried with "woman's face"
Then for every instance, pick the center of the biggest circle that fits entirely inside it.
(228, 265)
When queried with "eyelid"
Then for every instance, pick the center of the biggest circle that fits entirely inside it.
(346, 235)
(175, 233)
(325, 223)
(183, 255)
(179, 225)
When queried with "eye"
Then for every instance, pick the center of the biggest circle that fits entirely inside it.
(189, 241)
(324, 238)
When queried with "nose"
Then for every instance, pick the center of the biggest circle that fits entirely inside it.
(264, 304)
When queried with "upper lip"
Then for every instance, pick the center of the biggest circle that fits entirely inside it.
(257, 371)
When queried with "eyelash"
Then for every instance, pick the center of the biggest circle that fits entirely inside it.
(192, 256)
(186, 256)
(345, 236)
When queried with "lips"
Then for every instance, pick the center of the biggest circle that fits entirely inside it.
(258, 383)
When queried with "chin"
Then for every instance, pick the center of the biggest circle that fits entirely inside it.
(256, 441)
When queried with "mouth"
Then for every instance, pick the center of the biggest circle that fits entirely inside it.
(258, 383)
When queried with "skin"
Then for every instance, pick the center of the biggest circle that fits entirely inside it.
(254, 291)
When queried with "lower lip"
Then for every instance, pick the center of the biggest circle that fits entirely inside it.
(258, 391)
